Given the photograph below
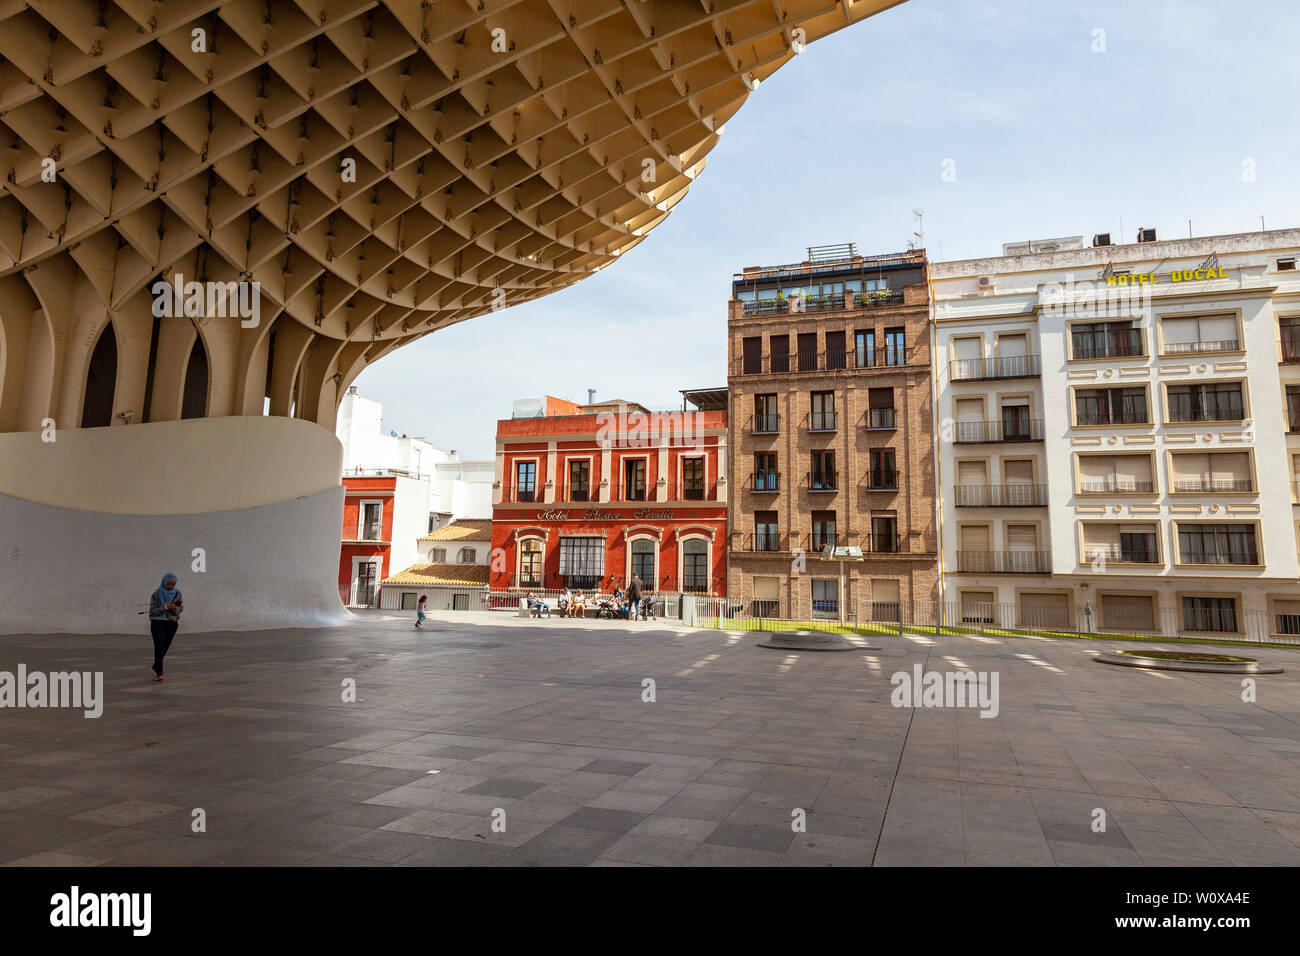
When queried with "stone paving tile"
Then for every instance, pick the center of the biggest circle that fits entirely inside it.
(547, 725)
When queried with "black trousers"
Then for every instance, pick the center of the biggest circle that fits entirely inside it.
(163, 632)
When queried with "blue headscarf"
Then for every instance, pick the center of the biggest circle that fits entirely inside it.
(166, 596)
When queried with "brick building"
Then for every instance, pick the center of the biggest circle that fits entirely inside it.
(586, 494)
(832, 432)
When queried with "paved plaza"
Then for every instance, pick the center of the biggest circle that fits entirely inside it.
(489, 740)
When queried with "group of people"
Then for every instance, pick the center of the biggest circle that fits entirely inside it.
(574, 603)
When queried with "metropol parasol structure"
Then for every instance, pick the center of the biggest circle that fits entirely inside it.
(349, 176)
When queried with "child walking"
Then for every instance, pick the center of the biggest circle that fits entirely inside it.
(420, 607)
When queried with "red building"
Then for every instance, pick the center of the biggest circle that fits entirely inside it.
(587, 494)
(366, 556)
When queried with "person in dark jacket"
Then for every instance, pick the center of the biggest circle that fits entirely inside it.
(634, 595)
(164, 617)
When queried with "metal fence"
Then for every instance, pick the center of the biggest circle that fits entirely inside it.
(401, 597)
(1219, 625)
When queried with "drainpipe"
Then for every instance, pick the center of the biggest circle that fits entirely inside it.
(937, 433)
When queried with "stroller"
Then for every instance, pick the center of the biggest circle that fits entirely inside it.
(610, 609)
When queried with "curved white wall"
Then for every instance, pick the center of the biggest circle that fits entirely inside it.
(92, 520)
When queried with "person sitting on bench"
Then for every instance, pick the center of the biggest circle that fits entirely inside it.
(538, 606)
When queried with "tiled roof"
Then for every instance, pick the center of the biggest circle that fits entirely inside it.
(466, 529)
(435, 574)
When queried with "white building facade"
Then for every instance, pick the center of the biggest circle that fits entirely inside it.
(1116, 435)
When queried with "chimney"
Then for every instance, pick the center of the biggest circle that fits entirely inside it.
(352, 389)
(591, 396)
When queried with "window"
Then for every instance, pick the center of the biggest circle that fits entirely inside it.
(883, 473)
(582, 560)
(1127, 612)
(634, 479)
(1138, 546)
(1213, 402)
(1217, 544)
(438, 556)
(1223, 471)
(884, 534)
(835, 352)
(826, 597)
(371, 521)
(643, 561)
(1111, 406)
(766, 477)
(525, 480)
(1115, 474)
(895, 347)
(1286, 265)
(1210, 614)
(822, 477)
(468, 555)
(695, 565)
(807, 351)
(881, 412)
(864, 348)
(1104, 339)
(823, 534)
(1289, 327)
(530, 563)
(765, 414)
(1200, 333)
(1293, 408)
(579, 480)
(752, 355)
(693, 479)
(766, 537)
(767, 597)
(822, 417)
(1015, 423)
(780, 345)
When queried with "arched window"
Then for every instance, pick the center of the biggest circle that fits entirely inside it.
(438, 556)
(468, 555)
(101, 380)
(643, 561)
(194, 403)
(695, 564)
(530, 563)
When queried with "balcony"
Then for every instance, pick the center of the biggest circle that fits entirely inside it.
(819, 540)
(1194, 486)
(1132, 416)
(1246, 556)
(634, 494)
(765, 482)
(822, 421)
(991, 431)
(887, 355)
(525, 495)
(883, 543)
(692, 494)
(883, 479)
(1001, 496)
(766, 541)
(1192, 348)
(877, 298)
(1235, 412)
(984, 369)
(764, 424)
(1125, 343)
(882, 418)
(1118, 554)
(578, 494)
(1004, 562)
(823, 481)
(1117, 486)
(801, 304)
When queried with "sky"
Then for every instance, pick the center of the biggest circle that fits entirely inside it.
(1176, 111)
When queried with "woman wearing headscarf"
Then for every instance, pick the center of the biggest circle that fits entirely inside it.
(164, 616)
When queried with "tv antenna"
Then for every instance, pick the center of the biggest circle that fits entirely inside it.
(919, 214)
